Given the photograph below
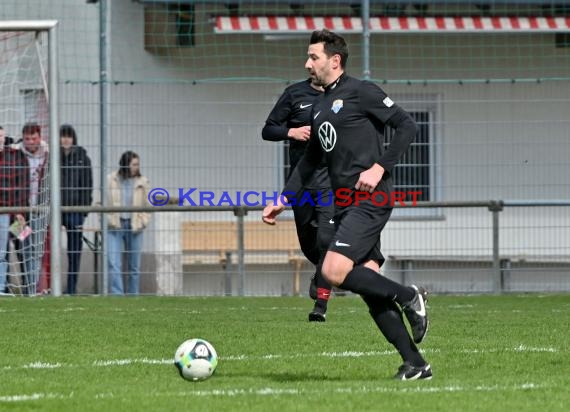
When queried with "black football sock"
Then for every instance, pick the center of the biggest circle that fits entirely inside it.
(323, 290)
(388, 318)
(366, 282)
(321, 305)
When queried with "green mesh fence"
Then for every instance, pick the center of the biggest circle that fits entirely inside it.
(437, 42)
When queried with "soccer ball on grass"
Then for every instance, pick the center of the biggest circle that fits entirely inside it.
(196, 359)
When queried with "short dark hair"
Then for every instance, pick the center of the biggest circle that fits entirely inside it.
(31, 128)
(124, 162)
(332, 43)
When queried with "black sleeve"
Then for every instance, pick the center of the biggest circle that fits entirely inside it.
(275, 128)
(406, 130)
(380, 107)
(86, 182)
(305, 168)
(375, 102)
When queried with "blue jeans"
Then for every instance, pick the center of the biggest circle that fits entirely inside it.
(33, 251)
(73, 223)
(132, 241)
(4, 227)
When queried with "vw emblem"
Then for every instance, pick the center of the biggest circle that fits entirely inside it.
(327, 136)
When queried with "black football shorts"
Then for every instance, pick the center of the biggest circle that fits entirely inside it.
(358, 232)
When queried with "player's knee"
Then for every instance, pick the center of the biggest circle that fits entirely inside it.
(334, 270)
(330, 276)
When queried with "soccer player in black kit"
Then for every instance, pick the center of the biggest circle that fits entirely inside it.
(346, 124)
(290, 120)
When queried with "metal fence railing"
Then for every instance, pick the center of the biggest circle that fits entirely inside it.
(224, 249)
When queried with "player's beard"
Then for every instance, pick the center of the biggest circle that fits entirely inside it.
(316, 81)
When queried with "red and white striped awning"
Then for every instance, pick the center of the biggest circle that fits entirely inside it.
(306, 24)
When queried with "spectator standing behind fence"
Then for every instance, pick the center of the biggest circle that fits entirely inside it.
(127, 187)
(76, 190)
(14, 184)
(36, 151)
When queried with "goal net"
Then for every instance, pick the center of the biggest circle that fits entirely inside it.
(24, 117)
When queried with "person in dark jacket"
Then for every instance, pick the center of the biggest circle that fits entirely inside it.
(76, 190)
(14, 184)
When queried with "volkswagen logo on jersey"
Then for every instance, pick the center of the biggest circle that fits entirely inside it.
(327, 136)
(336, 106)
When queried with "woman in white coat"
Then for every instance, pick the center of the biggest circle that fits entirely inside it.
(127, 187)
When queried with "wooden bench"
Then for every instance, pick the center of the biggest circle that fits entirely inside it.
(212, 241)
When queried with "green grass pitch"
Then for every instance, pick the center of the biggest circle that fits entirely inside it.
(488, 353)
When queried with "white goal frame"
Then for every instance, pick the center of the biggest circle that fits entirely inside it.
(49, 26)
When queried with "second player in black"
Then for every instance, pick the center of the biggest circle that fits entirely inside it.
(289, 120)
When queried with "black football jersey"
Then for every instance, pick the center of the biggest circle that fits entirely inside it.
(292, 110)
(347, 124)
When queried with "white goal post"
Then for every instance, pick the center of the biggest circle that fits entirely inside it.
(50, 86)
